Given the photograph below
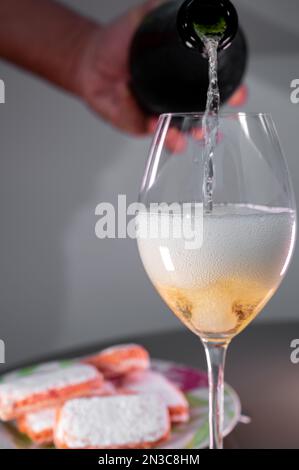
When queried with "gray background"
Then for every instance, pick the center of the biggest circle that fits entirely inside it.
(61, 286)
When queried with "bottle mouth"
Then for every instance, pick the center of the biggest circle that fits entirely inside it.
(208, 18)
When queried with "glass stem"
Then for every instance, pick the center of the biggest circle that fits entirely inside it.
(215, 353)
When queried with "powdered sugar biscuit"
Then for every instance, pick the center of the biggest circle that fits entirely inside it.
(153, 382)
(120, 360)
(46, 389)
(39, 425)
(117, 422)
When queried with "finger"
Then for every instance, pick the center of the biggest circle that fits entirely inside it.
(152, 124)
(175, 141)
(239, 98)
(198, 133)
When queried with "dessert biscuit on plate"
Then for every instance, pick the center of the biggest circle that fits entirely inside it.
(116, 422)
(47, 389)
(120, 360)
(39, 425)
(154, 382)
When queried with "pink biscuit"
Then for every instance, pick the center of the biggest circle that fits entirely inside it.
(153, 382)
(46, 389)
(39, 425)
(120, 360)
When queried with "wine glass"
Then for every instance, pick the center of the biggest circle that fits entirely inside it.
(216, 267)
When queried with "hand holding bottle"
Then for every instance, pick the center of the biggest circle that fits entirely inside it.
(77, 54)
(104, 72)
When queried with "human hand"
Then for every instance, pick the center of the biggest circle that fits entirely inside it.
(103, 72)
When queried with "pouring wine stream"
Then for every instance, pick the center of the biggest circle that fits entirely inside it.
(211, 37)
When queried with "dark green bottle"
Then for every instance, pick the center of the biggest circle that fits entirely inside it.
(167, 76)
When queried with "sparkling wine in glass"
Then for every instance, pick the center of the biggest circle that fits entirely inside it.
(216, 270)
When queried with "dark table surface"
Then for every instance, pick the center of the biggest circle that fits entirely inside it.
(258, 367)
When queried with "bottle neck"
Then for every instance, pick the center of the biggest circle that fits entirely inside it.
(201, 19)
